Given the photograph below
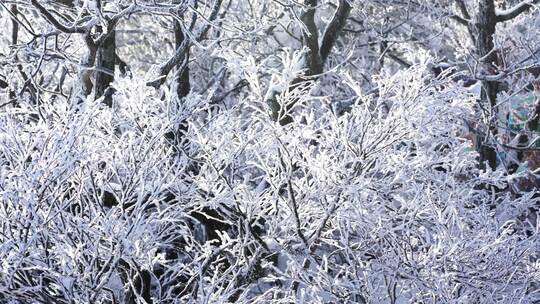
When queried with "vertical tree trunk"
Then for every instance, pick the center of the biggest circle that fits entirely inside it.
(106, 60)
(85, 71)
(485, 25)
(181, 78)
(182, 84)
(14, 40)
(316, 54)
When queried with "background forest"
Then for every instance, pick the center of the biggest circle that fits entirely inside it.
(269, 151)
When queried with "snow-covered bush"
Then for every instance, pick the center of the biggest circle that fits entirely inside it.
(381, 203)
(267, 152)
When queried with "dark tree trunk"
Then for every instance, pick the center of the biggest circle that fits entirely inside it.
(317, 52)
(486, 22)
(181, 81)
(106, 60)
(182, 70)
(85, 72)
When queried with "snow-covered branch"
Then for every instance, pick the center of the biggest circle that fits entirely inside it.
(516, 10)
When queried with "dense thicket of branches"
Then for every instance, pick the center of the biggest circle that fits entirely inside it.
(254, 151)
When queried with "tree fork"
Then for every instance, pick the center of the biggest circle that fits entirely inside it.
(316, 55)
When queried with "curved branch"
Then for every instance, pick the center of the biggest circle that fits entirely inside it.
(45, 13)
(463, 8)
(516, 10)
(165, 68)
(212, 17)
(179, 58)
(334, 27)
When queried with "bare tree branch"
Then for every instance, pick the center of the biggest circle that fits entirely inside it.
(166, 67)
(463, 9)
(311, 38)
(513, 12)
(57, 24)
(179, 55)
(334, 27)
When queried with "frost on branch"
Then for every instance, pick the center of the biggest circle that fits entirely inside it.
(382, 202)
(264, 180)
